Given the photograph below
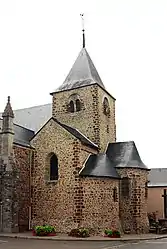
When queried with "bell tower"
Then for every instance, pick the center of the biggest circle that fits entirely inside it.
(83, 102)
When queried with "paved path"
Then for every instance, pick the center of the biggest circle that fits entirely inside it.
(151, 244)
(65, 237)
(10, 243)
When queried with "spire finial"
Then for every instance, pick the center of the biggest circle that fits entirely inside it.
(83, 28)
(8, 112)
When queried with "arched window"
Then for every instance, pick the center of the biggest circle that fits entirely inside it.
(74, 104)
(78, 105)
(106, 107)
(53, 168)
(71, 106)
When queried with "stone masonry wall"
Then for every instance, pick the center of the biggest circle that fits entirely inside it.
(56, 202)
(107, 127)
(94, 202)
(8, 197)
(23, 164)
(133, 208)
(67, 203)
(100, 211)
(85, 120)
(90, 120)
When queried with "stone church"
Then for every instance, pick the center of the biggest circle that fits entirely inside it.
(60, 163)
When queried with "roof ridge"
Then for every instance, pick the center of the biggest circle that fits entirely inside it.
(31, 107)
(91, 62)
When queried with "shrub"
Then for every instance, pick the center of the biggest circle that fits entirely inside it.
(79, 232)
(112, 233)
(116, 233)
(108, 232)
(44, 230)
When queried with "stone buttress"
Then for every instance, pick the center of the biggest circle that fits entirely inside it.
(8, 175)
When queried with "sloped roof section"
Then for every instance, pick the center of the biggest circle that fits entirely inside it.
(157, 177)
(76, 133)
(32, 118)
(125, 154)
(99, 166)
(83, 73)
(22, 136)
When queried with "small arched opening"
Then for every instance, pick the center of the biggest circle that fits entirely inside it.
(53, 168)
(78, 105)
(106, 107)
(71, 106)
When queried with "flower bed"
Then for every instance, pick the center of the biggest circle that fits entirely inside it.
(44, 231)
(112, 233)
(79, 232)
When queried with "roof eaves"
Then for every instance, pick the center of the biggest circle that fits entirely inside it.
(58, 91)
(159, 185)
(19, 143)
(95, 176)
(23, 127)
(131, 167)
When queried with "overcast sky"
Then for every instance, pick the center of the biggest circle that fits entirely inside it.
(127, 41)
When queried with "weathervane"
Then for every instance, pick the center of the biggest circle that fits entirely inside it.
(83, 29)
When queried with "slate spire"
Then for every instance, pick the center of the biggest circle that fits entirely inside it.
(83, 71)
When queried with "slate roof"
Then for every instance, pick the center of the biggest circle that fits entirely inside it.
(83, 73)
(32, 118)
(125, 154)
(118, 155)
(157, 177)
(27, 121)
(99, 166)
(22, 136)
